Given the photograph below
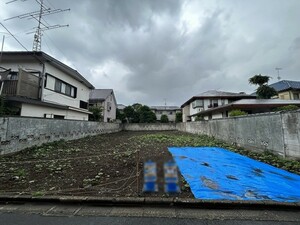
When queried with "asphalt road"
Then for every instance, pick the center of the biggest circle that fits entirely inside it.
(65, 214)
(26, 219)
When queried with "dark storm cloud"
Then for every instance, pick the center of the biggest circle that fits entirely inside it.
(149, 50)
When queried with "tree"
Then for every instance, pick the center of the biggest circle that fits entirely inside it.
(286, 108)
(178, 117)
(138, 113)
(146, 115)
(263, 91)
(97, 113)
(120, 115)
(164, 119)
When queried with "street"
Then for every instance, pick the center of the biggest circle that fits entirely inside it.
(48, 214)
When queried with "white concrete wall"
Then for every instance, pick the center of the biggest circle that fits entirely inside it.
(54, 97)
(185, 113)
(39, 111)
(111, 114)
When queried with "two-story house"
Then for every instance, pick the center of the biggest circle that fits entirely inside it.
(287, 89)
(106, 100)
(169, 111)
(208, 100)
(39, 85)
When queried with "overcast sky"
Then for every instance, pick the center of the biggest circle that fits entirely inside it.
(152, 50)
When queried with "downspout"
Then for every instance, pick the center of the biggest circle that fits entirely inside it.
(43, 81)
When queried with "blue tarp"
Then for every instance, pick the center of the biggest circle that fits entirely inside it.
(216, 173)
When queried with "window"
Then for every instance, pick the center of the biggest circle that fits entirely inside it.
(58, 85)
(83, 105)
(296, 96)
(58, 117)
(198, 103)
(170, 113)
(214, 102)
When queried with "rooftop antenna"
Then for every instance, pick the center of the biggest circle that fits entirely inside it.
(165, 103)
(278, 69)
(38, 16)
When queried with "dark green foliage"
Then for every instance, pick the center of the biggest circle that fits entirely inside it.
(164, 119)
(138, 113)
(199, 118)
(97, 113)
(263, 91)
(120, 115)
(259, 79)
(6, 109)
(237, 112)
(178, 117)
(286, 108)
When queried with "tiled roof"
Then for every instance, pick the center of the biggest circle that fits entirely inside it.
(214, 93)
(165, 107)
(100, 94)
(285, 85)
(42, 57)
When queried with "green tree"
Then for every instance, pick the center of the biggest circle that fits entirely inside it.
(199, 118)
(146, 115)
(120, 115)
(164, 119)
(97, 113)
(178, 117)
(263, 91)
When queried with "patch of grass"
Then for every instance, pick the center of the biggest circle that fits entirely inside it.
(21, 173)
(38, 193)
(207, 141)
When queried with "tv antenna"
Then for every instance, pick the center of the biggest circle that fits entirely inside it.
(42, 23)
(278, 69)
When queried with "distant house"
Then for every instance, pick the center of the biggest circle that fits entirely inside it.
(104, 98)
(209, 100)
(121, 107)
(287, 89)
(169, 111)
(38, 85)
(251, 106)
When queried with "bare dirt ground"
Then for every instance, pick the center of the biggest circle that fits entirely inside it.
(106, 165)
(103, 165)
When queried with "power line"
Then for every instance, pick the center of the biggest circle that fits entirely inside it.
(38, 16)
(14, 37)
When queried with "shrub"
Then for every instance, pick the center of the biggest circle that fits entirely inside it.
(237, 112)
(178, 117)
(164, 119)
(286, 108)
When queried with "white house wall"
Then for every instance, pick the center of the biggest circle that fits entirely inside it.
(40, 111)
(54, 97)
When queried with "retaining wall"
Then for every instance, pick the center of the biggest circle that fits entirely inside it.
(17, 133)
(149, 126)
(275, 132)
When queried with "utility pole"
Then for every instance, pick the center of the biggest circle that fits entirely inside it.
(2, 47)
(278, 77)
(42, 24)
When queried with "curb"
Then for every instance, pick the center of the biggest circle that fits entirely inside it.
(150, 201)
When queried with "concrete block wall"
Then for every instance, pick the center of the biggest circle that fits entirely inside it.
(149, 126)
(275, 132)
(17, 133)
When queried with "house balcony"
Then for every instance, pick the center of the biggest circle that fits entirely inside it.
(22, 84)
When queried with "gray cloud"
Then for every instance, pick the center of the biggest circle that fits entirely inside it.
(151, 50)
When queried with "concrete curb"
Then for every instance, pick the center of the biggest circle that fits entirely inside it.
(150, 201)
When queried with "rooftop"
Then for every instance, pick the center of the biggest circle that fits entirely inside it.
(42, 57)
(165, 107)
(252, 103)
(100, 94)
(218, 94)
(285, 85)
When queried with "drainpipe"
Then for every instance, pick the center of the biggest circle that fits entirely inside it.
(43, 81)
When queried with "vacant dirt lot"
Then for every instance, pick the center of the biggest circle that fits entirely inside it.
(104, 165)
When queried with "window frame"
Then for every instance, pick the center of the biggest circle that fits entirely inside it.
(60, 83)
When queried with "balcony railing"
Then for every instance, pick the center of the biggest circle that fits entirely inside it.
(9, 87)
